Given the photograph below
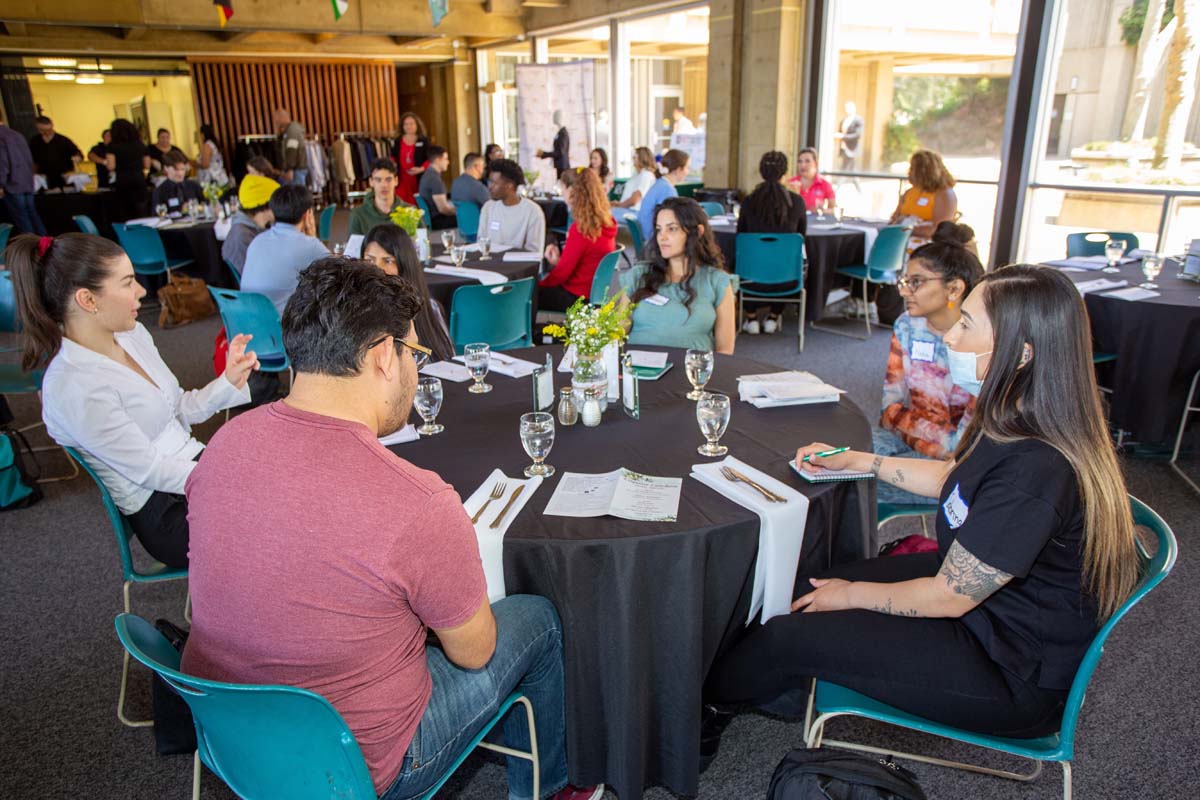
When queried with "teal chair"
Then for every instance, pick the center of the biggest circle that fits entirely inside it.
(771, 258)
(883, 266)
(500, 315)
(6, 230)
(712, 208)
(325, 223)
(602, 280)
(281, 741)
(635, 233)
(253, 314)
(237, 276)
(426, 214)
(85, 224)
(829, 700)
(1190, 406)
(145, 249)
(1092, 243)
(155, 573)
(468, 219)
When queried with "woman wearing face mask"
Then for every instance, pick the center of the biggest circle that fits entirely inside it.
(924, 413)
(107, 391)
(1035, 540)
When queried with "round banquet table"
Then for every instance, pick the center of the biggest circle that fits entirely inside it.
(825, 248)
(555, 210)
(1157, 344)
(441, 287)
(198, 241)
(646, 607)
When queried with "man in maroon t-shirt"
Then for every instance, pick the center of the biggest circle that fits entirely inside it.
(320, 559)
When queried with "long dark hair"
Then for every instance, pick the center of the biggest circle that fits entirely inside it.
(430, 331)
(124, 131)
(603, 162)
(45, 283)
(770, 203)
(207, 134)
(421, 134)
(948, 256)
(699, 250)
(1053, 398)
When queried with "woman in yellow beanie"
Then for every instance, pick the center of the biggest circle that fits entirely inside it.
(252, 218)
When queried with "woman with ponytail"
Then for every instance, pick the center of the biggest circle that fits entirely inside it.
(107, 392)
(1035, 540)
(770, 208)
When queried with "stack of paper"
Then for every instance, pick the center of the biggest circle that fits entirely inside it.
(485, 276)
(1099, 285)
(793, 388)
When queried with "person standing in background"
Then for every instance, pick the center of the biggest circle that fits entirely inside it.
(210, 164)
(849, 138)
(412, 154)
(560, 154)
(16, 180)
(98, 155)
(681, 124)
(158, 151)
(54, 155)
(293, 155)
(128, 160)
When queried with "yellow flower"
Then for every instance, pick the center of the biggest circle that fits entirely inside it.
(591, 331)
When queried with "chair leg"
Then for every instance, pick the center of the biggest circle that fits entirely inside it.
(532, 755)
(196, 775)
(1066, 765)
(74, 473)
(866, 309)
(803, 304)
(846, 333)
(125, 679)
(1188, 408)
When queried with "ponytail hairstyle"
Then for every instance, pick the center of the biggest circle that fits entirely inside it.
(590, 208)
(46, 273)
(675, 159)
(948, 256)
(700, 250)
(770, 201)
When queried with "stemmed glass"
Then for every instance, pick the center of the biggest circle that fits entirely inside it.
(428, 401)
(1113, 250)
(485, 247)
(1151, 266)
(712, 412)
(447, 239)
(737, 211)
(161, 210)
(478, 358)
(698, 364)
(837, 216)
(537, 437)
(458, 252)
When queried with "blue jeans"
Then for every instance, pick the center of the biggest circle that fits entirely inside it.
(886, 443)
(300, 177)
(24, 213)
(529, 659)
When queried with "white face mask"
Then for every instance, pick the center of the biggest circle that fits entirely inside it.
(964, 368)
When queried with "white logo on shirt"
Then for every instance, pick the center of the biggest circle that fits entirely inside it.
(955, 509)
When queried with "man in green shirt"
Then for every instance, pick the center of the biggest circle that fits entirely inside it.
(377, 209)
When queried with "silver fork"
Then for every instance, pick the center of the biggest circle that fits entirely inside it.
(733, 475)
(497, 492)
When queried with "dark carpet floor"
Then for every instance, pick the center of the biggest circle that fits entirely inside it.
(60, 660)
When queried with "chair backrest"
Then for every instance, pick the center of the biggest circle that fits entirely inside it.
(237, 276)
(254, 314)
(1091, 243)
(635, 233)
(325, 223)
(6, 230)
(85, 224)
(888, 253)
(120, 525)
(712, 208)
(602, 280)
(263, 741)
(500, 315)
(468, 218)
(425, 212)
(144, 247)
(1154, 568)
(769, 257)
(9, 321)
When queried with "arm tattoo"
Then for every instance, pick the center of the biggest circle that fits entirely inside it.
(886, 608)
(969, 576)
(899, 476)
(877, 464)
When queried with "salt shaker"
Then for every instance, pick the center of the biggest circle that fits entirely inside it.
(591, 408)
(568, 414)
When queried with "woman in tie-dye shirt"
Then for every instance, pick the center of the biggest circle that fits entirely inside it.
(924, 413)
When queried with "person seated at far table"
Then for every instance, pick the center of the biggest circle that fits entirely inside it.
(770, 208)
(178, 189)
(924, 413)
(930, 200)
(304, 578)
(377, 209)
(675, 170)
(390, 248)
(252, 218)
(817, 192)
(432, 190)
(592, 236)
(470, 186)
(509, 220)
(684, 295)
(636, 187)
(278, 255)
(260, 165)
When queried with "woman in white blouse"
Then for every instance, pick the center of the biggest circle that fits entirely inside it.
(637, 186)
(107, 391)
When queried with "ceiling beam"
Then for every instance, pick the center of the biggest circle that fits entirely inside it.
(14, 28)
(233, 37)
(322, 38)
(132, 34)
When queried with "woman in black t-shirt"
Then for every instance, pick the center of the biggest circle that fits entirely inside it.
(128, 161)
(770, 208)
(1035, 540)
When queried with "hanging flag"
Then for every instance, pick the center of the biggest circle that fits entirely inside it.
(438, 9)
(224, 10)
(340, 7)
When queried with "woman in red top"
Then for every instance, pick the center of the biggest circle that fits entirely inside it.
(816, 191)
(410, 156)
(592, 236)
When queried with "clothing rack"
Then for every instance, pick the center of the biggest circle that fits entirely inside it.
(368, 134)
(270, 137)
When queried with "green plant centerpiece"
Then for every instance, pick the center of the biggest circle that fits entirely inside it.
(407, 217)
(588, 330)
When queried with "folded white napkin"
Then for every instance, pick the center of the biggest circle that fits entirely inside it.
(791, 388)
(406, 434)
(221, 229)
(495, 248)
(484, 276)
(1133, 293)
(522, 255)
(780, 532)
(447, 371)
(149, 222)
(507, 365)
(1099, 285)
(869, 231)
(491, 540)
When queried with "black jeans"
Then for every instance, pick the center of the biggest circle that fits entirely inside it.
(161, 525)
(934, 668)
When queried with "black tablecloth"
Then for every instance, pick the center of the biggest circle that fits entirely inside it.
(826, 250)
(441, 287)
(1157, 342)
(646, 607)
(57, 209)
(199, 243)
(555, 211)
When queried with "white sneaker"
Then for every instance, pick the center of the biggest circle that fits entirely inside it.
(750, 326)
(770, 325)
(873, 313)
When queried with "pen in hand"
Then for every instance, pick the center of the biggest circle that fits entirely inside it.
(825, 454)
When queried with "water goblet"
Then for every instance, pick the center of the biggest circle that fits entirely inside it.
(537, 437)
(698, 365)
(1151, 266)
(712, 413)
(458, 252)
(339, 248)
(428, 401)
(737, 210)
(478, 358)
(485, 247)
(447, 239)
(837, 216)
(161, 210)
(1113, 250)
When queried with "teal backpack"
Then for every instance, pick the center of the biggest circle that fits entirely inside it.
(17, 488)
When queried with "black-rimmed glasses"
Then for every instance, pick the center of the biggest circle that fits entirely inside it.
(420, 354)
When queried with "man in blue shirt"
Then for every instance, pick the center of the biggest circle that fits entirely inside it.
(278, 255)
(675, 164)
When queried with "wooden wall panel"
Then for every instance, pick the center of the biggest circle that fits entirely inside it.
(238, 97)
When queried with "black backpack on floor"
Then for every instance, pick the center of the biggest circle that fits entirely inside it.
(831, 775)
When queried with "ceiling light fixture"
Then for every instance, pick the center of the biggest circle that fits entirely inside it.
(57, 62)
(59, 76)
(94, 66)
(89, 79)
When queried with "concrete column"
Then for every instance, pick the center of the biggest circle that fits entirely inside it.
(540, 47)
(619, 103)
(724, 91)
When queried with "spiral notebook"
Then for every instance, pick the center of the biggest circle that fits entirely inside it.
(832, 475)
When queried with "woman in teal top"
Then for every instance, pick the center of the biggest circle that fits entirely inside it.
(683, 294)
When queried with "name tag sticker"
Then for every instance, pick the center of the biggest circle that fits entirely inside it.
(955, 509)
(923, 201)
(922, 351)
(494, 225)
(657, 300)
(173, 201)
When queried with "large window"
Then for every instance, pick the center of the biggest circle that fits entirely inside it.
(497, 70)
